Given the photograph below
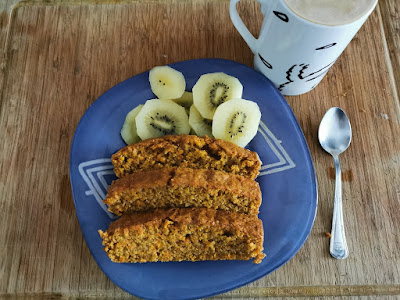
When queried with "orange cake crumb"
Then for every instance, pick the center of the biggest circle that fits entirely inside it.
(187, 151)
(191, 234)
(183, 187)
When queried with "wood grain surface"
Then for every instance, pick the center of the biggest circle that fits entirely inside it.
(61, 56)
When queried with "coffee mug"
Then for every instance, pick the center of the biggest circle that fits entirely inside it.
(293, 52)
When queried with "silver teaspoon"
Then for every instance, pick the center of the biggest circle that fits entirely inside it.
(334, 135)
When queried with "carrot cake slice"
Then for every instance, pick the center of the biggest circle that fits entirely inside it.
(183, 187)
(188, 151)
(178, 234)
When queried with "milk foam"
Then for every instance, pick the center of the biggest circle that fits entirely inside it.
(330, 12)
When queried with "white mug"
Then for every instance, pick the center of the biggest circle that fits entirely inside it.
(292, 52)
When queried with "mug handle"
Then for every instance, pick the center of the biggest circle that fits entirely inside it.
(243, 31)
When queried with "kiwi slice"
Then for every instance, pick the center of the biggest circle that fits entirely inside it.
(213, 89)
(236, 121)
(166, 82)
(161, 117)
(200, 125)
(186, 100)
(128, 131)
(192, 132)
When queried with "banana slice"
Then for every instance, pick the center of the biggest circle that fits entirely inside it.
(213, 89)
(186, 100)
(128, 131)
(161, 117)
(167, 83)
(200, 125)
(236, 121)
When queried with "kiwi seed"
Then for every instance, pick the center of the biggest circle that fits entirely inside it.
(214, 101)
(234, 130)
(159, 121)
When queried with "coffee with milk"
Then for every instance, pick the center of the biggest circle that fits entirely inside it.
(301, 39)
(330, 12)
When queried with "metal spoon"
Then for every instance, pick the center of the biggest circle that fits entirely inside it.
(334, 135)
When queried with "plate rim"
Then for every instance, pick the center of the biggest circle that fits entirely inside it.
(304, 144)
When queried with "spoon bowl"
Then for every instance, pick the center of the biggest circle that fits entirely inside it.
(334, 132)
(334, 135)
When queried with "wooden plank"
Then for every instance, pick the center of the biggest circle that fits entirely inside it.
(390, 20)
(5, 15)
(5, 11)
(60, 58)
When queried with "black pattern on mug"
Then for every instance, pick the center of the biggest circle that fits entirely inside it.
(301, 76)
(311, 74)
(319, 75)
(326, 46)
(281, 16)
(267, 64)
(288, 77)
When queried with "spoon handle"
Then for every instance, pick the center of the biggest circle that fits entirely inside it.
(338, 246)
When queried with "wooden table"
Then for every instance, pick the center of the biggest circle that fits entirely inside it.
(60, 56)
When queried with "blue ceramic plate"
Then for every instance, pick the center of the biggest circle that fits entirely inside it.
(287, 181)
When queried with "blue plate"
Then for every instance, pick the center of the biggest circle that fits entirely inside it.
(287, 181)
